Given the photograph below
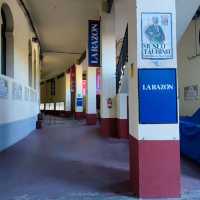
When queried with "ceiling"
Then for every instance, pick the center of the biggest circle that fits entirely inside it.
(62, 27)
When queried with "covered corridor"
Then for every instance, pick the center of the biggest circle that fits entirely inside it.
(99, 99)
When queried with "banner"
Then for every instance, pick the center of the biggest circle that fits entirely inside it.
(73, 79)
(94, 43)
(84, 87)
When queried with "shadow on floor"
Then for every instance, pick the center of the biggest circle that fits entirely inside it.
(190, 168)
(64, 160)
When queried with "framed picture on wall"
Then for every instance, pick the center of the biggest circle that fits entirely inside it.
(156, 33)
(191, 93)
(3, 88)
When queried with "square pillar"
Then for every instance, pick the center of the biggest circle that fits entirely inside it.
(79, 93)
(122, 116)
(91, 111)
(153, 104)
(93, 61)
(68, 95)
(108, 77)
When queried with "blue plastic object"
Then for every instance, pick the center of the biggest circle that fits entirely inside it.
(190, 136)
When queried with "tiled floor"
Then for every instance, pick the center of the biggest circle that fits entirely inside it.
(68, 160)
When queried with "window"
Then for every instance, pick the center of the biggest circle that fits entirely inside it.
(30, 70)
(60, 106)
(47, 106)
(51, 106)
(41, 106)
(35, 68)
(7, 42)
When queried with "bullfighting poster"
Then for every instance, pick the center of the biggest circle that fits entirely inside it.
(157, 41)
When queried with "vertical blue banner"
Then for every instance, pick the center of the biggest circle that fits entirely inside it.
(157, 96)
(94, 43)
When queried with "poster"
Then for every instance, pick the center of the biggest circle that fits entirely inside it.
(3, 88)
(157, 96)
(84, 86)
(157, 41)
(98, 81)
(191, 93)
(79, 102)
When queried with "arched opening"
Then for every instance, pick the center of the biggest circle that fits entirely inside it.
(35, 66)
(30, 70)
(7, 42)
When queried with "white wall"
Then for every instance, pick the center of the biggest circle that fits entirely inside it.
(185, 10)
(121, 18)
(189, 69)
(108, 62)
(14, 110)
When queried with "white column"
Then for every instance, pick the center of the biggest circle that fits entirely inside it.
(91, 111)
(153, 110)
(108, 70)
(79, 92)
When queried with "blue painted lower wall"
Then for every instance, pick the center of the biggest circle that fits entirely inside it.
(12, 133)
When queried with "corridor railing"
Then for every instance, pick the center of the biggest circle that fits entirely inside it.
(123, 59)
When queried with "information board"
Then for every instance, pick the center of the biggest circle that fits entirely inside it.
(157, 96)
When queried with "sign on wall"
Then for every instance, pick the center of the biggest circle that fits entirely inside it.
(157, 42)
(79, 102)
(3, 88)
(16, 91)
(26, 93)
(191, 93)
(94, 43)
(157, 96)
